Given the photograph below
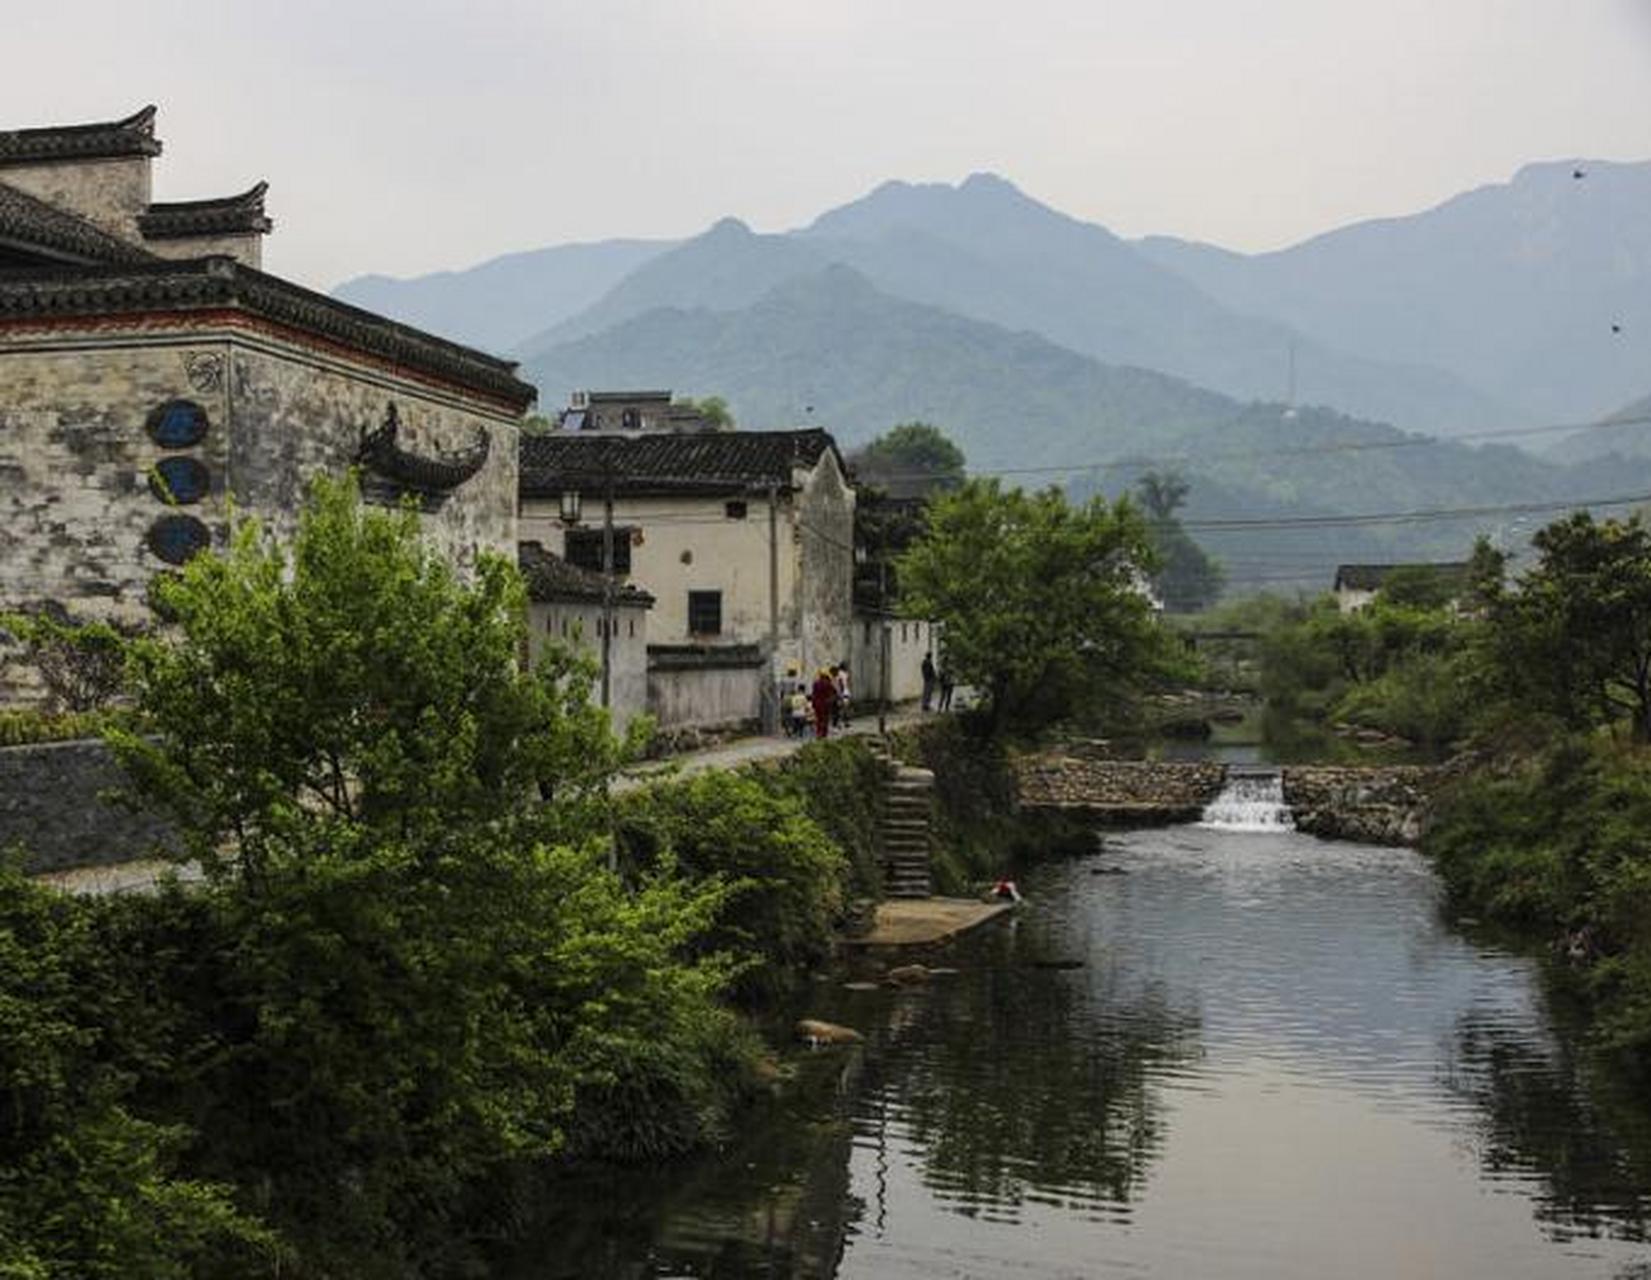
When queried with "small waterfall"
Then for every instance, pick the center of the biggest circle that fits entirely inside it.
(1252, 800)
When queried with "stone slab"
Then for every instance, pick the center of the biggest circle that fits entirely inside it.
(926, 922)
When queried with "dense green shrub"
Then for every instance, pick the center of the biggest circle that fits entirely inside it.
(90, 1188)
(840, 784)
(23, 726)
(1557, 844)
(783, 875)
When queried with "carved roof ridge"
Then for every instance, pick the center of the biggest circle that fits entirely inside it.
(217, 215)
(134, 135)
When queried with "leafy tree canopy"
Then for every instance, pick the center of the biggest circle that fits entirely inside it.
(1187, 579)
(1040, 600)
(1574, 641)
(714, 409)
(914, 457)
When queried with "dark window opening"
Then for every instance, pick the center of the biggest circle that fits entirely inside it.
(177, 424)
(705, 613)
(734, 510)
(630, 420)
(583, 547)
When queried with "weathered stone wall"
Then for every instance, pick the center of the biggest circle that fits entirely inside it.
(295, 413)
(1121, 791)
(1374, 804)
(109, 193)
(75, 455)
(247, 249)
(54, 802)
(75, 503)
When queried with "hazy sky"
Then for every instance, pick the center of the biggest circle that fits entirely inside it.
(403, 136)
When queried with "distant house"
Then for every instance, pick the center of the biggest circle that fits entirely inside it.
(1357, 584)
(737, 611)
(565, 606)
(629, 411)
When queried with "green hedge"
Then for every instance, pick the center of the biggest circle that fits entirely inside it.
(1557, 844)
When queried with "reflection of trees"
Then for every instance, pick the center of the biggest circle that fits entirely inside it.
(1031, 1084)
(776, 1203)
(1549, 1108)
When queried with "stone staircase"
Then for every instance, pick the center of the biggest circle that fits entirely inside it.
(907, 811)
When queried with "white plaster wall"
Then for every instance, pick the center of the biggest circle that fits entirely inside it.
(578, 625)
(908, 641)
(689, 544)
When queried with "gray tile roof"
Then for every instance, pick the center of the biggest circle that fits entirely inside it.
(551, 578)
(661, 462)
(220, 283)
(51, 232)
(133, 136)
(226, 215)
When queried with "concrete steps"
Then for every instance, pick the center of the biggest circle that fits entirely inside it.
(908, 810)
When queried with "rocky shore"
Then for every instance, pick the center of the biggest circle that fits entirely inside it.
(1375, 804)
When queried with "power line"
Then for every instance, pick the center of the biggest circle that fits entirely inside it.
(1410, 517)
(1334, 447)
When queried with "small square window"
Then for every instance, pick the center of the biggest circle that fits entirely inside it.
(734, 510)
(705, 613)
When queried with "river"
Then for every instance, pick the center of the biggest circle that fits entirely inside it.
(1201, 1051)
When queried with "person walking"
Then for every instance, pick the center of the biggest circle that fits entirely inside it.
(928, 680)
(824, 697)
(839, 678)
(945, 688)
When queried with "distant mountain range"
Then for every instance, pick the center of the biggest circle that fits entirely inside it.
(1048, 346)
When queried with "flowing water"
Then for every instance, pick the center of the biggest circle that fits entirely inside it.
(1219, 1050)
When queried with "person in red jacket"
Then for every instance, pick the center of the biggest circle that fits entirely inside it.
(824, 697)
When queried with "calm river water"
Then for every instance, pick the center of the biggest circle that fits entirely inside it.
(1266, 1056)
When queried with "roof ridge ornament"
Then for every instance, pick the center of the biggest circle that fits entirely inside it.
(400, 472)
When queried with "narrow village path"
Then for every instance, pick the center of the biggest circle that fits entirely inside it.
(748, 750)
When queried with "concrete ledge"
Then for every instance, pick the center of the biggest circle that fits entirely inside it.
(925, 922)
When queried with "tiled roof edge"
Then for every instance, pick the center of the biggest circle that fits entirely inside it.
(221, 281)
(110, 139)
(226, 215)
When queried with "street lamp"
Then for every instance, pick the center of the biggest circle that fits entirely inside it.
(572, 504)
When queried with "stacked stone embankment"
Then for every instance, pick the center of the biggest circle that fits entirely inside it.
(57, 801)
(1119, 792)
(1376, 804)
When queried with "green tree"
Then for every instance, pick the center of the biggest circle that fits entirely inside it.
(1186, 578)
(714, 409)
(405, 969)
(1574, 641)
(1041, 600)
(912, 458)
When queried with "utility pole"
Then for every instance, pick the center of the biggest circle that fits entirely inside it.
(771, 702)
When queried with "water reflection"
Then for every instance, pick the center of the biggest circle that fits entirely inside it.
(1545, 1111)
(1059, 1105)
(1267, 1056)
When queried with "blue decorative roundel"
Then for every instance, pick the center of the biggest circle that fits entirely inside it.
(178, 482)
(176, 538)
(177, 424)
